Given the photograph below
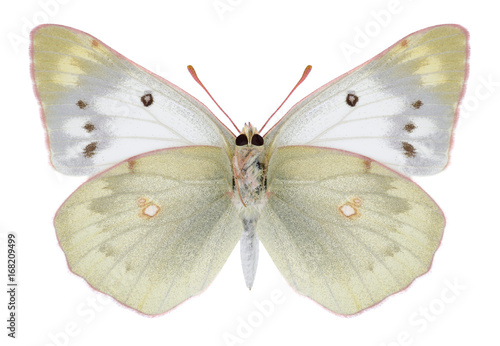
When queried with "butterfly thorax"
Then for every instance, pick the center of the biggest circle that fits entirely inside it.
(249, 190)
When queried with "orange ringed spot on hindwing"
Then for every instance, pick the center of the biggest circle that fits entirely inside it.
(351, 208)
(148, 209)
(347, 210)
(95, 43)
(404, 43)
(151, 210)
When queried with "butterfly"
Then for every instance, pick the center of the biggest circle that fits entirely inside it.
(325, 189)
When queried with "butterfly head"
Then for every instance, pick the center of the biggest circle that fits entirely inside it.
(249, 137)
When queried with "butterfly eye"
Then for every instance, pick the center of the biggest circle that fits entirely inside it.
(257, 140)
(241, 140)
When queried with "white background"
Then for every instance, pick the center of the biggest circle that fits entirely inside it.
(249, 58)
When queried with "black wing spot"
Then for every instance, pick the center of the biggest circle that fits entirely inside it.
(351, 100)
(409, 149)
(89, 150)
(81, 104)
(410, 127)
(89, 127)
(147, 100)
(417, 104)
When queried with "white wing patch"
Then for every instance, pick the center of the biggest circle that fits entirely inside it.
(100, 109)
(398, 109)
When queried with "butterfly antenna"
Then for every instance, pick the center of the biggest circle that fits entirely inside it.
(304, 76)
(195, 77)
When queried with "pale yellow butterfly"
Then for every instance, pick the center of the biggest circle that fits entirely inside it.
(321, 189)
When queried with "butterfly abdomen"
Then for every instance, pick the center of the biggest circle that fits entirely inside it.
(249, 250)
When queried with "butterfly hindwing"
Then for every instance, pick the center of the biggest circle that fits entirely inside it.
(99, 108)
(345, 230)
(399, 108)
(153, 230)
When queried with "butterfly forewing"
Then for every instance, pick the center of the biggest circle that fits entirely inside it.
(99, 108)
(399, 108)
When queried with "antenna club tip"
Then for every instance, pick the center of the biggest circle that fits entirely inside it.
(307, 70)
(191, 69)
